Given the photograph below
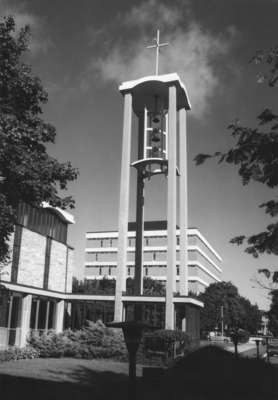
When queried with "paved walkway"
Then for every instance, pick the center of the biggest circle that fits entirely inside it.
(243, 347)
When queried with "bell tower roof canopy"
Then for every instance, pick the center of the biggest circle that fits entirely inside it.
(144, 91)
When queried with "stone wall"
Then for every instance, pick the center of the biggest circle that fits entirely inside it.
(32, 259)
(70, 270)
(57, 267)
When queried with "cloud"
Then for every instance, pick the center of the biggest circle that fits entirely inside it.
(39, 42)
(192, 52)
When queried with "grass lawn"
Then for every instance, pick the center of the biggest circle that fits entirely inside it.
(67, 369)
(209, 373)
(65, 378)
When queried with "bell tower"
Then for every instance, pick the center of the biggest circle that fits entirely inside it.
(160, 103)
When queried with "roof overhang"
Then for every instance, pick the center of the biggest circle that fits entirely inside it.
(64, 215)
(145, 89)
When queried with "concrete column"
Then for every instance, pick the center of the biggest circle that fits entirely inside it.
(171, 209)
(123, 208)
(183, 204)
(138, 278)
(26, 304)
(59, 316)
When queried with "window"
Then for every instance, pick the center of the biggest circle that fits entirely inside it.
(147, 242)
(178, 241)
(178, 270)
(111, 242)
(109, 271)
(100, 271)
(128, 271)
(154, 256)
(96, 256)
(146, 271)
(101, 243)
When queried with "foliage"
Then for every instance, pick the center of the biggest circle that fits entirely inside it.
(239, 336)
(238, 311)
(93, 341)
(161, 339)
(255, 154)
(151, 287)
(16, 353)
(94, 286)
(273, 313)
(27, 172)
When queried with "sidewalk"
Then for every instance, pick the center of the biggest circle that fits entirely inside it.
(242, 347)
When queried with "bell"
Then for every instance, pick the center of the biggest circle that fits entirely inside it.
(156, 118)
(156, 137)
(155, 150)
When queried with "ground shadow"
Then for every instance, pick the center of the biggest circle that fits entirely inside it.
(213, 373)
(87, 385)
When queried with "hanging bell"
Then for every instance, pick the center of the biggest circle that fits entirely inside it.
(156, 137)
(155, 150)
(156, 118)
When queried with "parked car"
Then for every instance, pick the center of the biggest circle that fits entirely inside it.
(215, 337)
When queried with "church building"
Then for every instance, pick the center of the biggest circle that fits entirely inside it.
(35, 282)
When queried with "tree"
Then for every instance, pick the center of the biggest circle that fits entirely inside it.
(238, 311)
(27, 172)
(273, 313)
(255, 154)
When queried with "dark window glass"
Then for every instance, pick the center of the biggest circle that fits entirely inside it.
(51, 315)
(33, 314)
(42, 314)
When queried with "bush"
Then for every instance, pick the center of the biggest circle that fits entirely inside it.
(16, 353)
(162, 339)
(240, 335)
(93, 341)
(163, 346)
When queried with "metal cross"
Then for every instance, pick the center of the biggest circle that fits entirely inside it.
(157, 45)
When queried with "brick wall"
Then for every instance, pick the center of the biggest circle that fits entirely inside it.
(32, 259)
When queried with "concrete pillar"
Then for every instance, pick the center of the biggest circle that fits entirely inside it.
(183, 204)
(26, 304)
(123, 208)
(59, 316)
(138, 278)
(171, 209)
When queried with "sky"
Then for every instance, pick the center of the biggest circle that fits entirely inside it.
(82, 50)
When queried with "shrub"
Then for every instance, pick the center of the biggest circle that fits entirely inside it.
(240, 335)
(16, 353)
(93, 341)
(162, 339)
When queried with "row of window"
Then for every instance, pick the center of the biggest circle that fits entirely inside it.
(100, 270)
(154, 255)
(131, 242)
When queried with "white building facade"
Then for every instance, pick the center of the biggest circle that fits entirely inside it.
(204, 263)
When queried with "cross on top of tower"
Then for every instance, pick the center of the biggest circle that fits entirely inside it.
(157, 45)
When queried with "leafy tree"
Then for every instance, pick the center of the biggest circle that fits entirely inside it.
(27, 172)
(107, 286)
(238, 311)
(255, 154)
(273, 313)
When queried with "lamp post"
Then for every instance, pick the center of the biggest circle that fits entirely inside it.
(133, 332)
